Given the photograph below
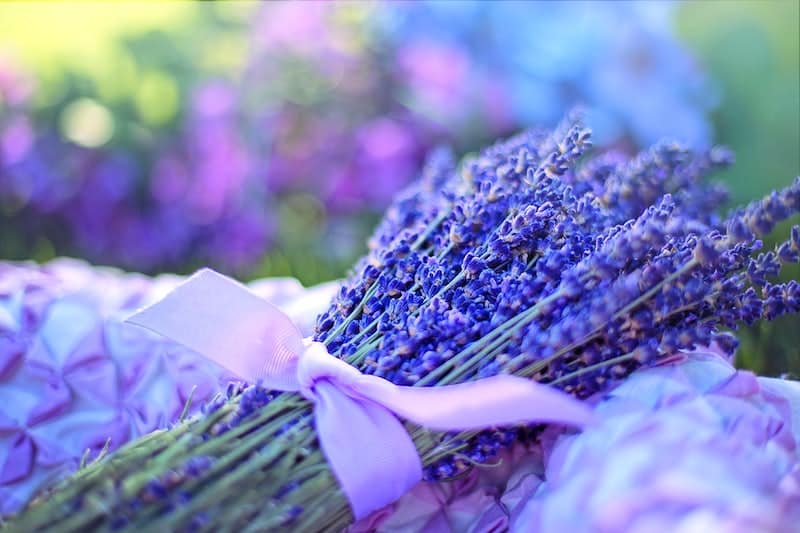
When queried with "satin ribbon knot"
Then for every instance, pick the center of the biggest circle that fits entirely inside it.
(357, 415)
(315, 365)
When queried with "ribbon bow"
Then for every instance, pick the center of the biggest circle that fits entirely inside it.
(366, 445)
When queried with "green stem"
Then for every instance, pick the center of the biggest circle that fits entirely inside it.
(591, 368)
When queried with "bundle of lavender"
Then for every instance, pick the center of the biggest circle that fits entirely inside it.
(532, 259)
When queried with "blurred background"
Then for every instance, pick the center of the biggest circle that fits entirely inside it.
(266, 139)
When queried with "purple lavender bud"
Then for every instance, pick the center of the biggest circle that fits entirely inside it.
(473, 266)
(752, 307)
(395, 288)
(727, 343)
(787, 254)
(705, 252)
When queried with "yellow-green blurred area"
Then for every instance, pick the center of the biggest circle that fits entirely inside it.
(90, 37)
(93, 38)
(122, 83)
(753, 51)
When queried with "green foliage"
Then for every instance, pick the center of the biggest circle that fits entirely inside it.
(752, 50)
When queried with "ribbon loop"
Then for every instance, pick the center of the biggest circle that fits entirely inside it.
(369, 451)
(223, 321)
(366, 445)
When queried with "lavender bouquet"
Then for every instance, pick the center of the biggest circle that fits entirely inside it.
(532, 259)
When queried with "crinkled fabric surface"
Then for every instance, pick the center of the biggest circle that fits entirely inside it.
(73, 376)
(690, 446)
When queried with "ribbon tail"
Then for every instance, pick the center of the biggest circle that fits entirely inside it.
(225, 322)
(495, 401)
(369, 450)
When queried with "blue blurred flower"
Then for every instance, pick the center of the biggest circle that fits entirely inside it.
(620, 59)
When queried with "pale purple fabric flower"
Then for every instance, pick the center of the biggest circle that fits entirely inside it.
(694, 446)
(691, 446)
(479, 501)
(73, 376)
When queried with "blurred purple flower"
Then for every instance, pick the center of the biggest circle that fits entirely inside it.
(15, 86)
(438, 76)
(16, 140)
(339, 101)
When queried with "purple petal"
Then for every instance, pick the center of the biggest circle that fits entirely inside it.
(12, 352)
(55, 402)
(50, 453)
(90, 350)
(117, 429)
(19, 462)
(96, 379)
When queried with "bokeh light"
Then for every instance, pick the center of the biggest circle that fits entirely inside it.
(87, 123)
